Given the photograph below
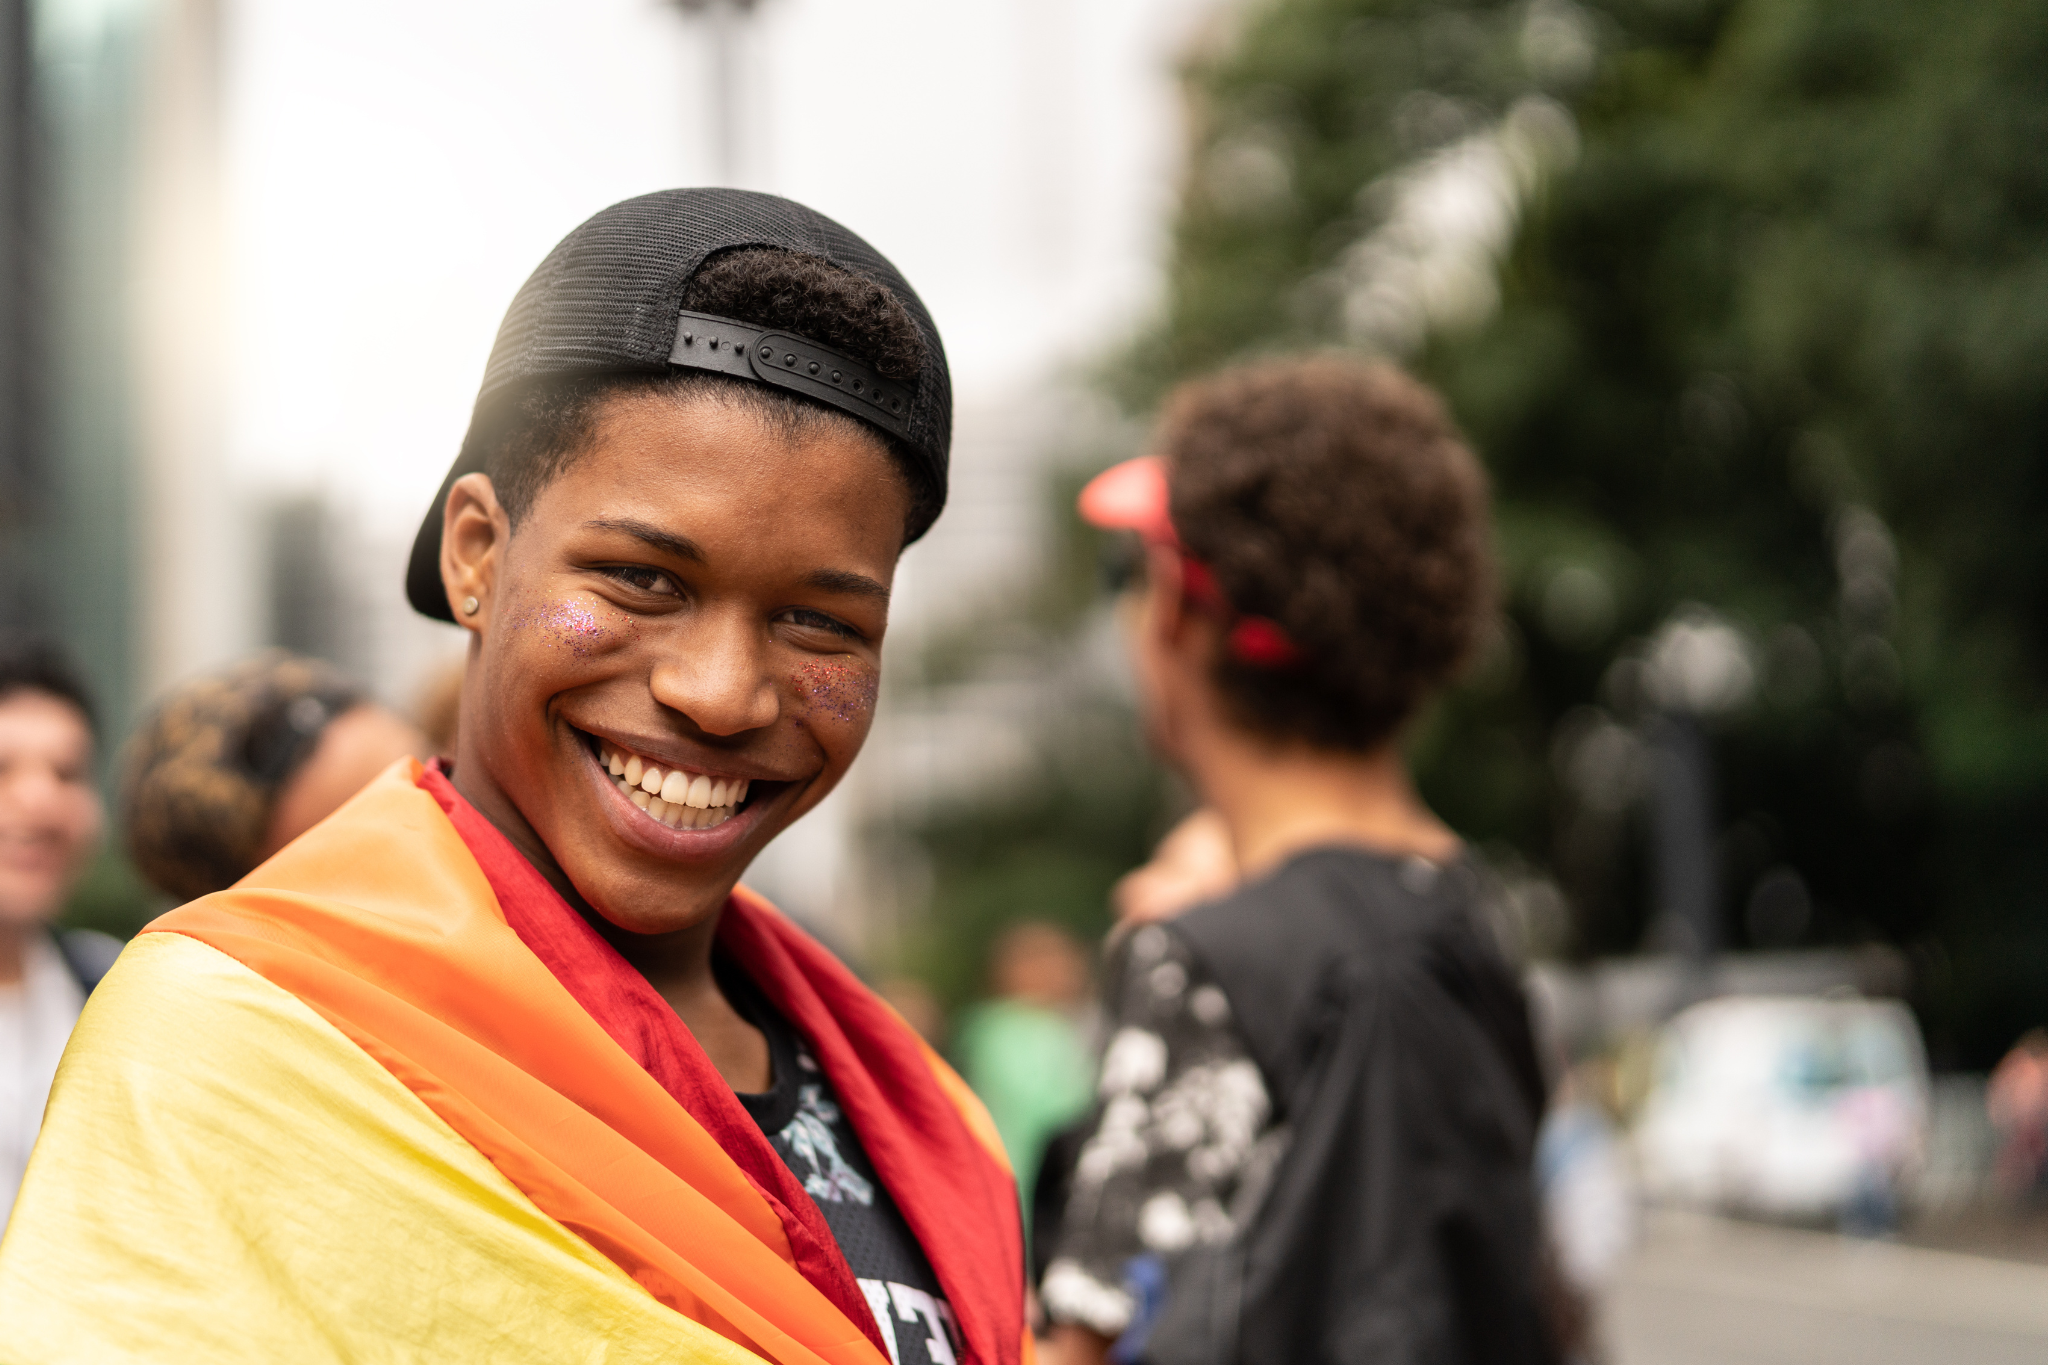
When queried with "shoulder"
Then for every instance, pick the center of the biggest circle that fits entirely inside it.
(184, 1007)
(222, 1168)
(1154, 972)
(1168, 1013)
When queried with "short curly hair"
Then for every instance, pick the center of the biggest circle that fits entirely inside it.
(538, 433)
(1337, 498)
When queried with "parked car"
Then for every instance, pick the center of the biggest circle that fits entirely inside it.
(1795, 1107)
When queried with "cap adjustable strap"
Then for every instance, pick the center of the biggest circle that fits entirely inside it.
(723, 346)
(1256, 640)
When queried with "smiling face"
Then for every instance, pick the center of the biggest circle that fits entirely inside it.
(49, 808)
(677, 652)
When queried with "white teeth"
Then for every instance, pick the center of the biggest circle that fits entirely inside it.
(678, 799)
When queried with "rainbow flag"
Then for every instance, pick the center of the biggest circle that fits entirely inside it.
(389, 1097)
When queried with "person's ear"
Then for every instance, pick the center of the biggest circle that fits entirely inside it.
(474, 531)
(1166, 607)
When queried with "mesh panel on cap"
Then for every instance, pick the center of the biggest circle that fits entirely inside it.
(607, 296)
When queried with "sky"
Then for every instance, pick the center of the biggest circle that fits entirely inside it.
(396, 169)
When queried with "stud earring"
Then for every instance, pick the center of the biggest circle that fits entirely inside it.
(469, 606)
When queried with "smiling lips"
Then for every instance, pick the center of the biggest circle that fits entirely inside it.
(678, 798)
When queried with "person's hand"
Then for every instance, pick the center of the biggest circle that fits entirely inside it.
(1192, 864)
(1071, 1345)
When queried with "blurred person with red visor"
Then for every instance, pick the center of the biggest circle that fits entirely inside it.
(1319, 1097)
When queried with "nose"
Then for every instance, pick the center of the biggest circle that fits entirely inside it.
(718, 677)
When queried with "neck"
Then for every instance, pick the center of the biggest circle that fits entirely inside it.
(1278, 800)
(13, 952)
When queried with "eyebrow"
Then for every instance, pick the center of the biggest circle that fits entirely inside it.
(668, 542)
(849, 583)
(843, 581)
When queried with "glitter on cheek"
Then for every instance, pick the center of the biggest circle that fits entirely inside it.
(577, 626)
(844, 691)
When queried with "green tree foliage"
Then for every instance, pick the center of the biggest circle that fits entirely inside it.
(1049, 847)
(1772, 339)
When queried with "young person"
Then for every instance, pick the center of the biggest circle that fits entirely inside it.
(1320, 1095)
(233, 765)
(498, 1062)
(49, 823)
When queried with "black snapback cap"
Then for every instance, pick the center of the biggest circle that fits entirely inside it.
(609, 299)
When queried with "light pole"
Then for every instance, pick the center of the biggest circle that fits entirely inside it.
(725, 17)
(1698, 666)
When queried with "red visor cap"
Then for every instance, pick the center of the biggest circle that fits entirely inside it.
(1132, 496)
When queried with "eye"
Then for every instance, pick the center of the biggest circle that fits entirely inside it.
(641, 578)
(818, 620)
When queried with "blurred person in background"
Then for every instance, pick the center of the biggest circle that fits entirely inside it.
(232, 766)
(1023, 1049)
(49, 824)
(498, 1061)
(2016, 1101)
(920, 1009)
(1588, 1187)
(1320, 1092)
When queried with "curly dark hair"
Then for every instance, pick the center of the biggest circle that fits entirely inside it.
(1337, 498)
(538, 434)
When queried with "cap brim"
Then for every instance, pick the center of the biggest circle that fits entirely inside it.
(1132, 496)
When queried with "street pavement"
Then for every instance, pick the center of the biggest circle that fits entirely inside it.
(1708, 1291)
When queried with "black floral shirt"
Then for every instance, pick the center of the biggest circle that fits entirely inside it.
(802, 1120)
(1181, 1138)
